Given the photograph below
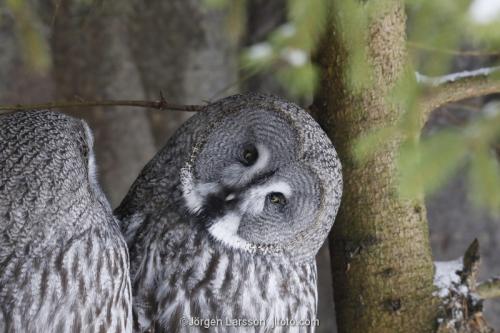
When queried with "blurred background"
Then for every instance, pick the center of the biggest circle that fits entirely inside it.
(196, 51)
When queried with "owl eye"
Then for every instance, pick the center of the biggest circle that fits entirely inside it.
(250, 155)
(277, 198)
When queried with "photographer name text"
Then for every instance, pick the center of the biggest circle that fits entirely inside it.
(247, 322)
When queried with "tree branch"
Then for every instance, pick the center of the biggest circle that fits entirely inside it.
(160, 104)
(489, 289)
(466, 53)
(438, 91)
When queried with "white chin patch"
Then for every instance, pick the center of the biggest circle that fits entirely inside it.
(225, 230)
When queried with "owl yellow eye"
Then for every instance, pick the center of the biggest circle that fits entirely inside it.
(250, 155)
(277, 198)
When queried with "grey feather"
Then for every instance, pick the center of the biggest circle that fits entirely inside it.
(226, 220)
(63, 262)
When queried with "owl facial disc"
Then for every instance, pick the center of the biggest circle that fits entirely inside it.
(241, 194)
(233, 177)
(261, 175)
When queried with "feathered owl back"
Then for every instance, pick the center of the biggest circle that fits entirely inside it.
(43, 178)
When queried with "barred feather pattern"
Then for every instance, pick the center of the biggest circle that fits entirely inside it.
(64, 264)
(253, 263)
(82, 286)
(180, 274)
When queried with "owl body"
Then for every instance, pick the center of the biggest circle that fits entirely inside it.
(79, 286)
(192, 279)
(225, 222)
(63, 261)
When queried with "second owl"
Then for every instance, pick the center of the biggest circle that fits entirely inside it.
(225, 222)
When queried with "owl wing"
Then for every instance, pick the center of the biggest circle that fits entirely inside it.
(63, 262)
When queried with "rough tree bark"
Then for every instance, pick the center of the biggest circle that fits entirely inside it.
(92, 60)
(183, 49)
(381, 258)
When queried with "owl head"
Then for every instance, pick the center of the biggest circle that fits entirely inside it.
(262, 177)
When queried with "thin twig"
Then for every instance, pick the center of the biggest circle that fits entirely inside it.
(489, 289)
(438, 91)
(160, 104)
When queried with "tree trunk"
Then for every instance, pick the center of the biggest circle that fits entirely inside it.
(9, 56)
(381, 259)
(183, 49)
(92, 61)
(19, 83)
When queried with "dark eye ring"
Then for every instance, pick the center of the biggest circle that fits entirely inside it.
(277, 198)
(250, 155)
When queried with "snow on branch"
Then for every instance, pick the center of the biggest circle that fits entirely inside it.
(460, 307)
(446, 277)
(448, 78)
(441, 90)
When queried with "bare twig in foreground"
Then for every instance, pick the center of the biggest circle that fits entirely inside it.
(160, 104)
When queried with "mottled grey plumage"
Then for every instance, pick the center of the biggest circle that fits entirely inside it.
(63, 262)
(216, 232)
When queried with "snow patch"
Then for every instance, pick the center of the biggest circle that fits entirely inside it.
(446, 276)
(463, 289)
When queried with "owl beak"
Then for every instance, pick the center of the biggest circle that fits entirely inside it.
(230, 197)
(231, 200)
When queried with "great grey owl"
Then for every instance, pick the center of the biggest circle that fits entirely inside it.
(225, 222)
(64, 265)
